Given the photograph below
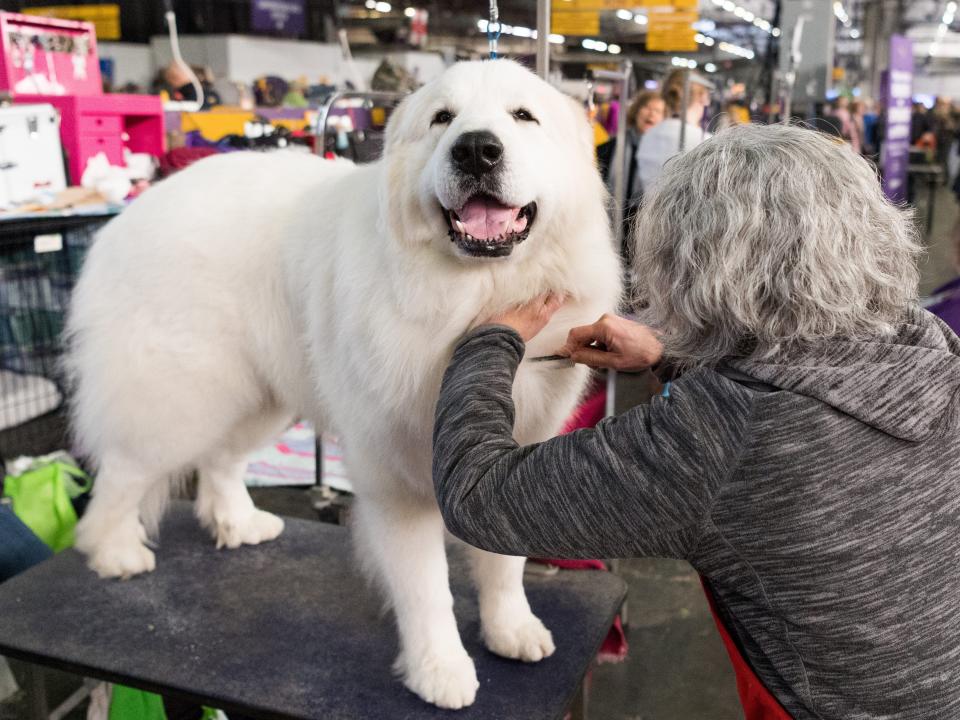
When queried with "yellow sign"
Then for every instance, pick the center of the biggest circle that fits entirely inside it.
(105, 18)
(575, 22)
(568, 5)
(671, 32)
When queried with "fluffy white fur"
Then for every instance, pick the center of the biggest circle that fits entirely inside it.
(252, 289)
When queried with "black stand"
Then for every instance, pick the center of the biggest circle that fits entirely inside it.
(287, 629)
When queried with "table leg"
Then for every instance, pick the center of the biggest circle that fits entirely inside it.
(578, 708)
(37, 693)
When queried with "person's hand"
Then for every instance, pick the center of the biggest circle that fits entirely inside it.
(615, 343)
(531, 317)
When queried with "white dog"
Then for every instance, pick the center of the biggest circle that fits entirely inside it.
(252, 289)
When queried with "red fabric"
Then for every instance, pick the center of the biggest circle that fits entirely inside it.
(758, 702)
(574, 564)
(614, 648)
(179, 158)
(588, 413)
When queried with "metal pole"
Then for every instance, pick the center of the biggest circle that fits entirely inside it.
(543, 38)
(683, 111)
(624, 77)
(620, 159)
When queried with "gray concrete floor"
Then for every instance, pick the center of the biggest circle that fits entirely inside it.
(677, 667)
(941, 241)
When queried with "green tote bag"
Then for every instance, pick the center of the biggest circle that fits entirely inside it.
(41, 497)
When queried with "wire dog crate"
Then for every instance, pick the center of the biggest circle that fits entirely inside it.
(39, 263)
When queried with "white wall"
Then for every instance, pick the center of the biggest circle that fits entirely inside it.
(243, 59)
(947, 85)
(207, 50)
(132, 63)
(424, 66)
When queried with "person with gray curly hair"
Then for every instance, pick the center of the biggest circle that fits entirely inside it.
(805, 457)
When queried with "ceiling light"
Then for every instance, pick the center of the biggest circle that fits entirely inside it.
(613, 49)
(640, 19)
(624, 14)
(710, 67)
(588, 44)
(482, 25)
(384, 7)
(776, 32)
(854, 33)
(556, 39)
(370, 4)
(599, 45)
(410, 12)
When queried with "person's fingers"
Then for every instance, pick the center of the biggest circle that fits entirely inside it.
(595, 358)
(582, 336)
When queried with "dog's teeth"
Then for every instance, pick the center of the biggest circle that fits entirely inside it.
(459, 226)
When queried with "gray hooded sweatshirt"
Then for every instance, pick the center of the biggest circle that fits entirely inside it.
(818, 495)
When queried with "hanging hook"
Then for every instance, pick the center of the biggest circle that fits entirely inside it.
(493, 35)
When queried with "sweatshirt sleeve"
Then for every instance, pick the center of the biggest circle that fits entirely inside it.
(640, 484)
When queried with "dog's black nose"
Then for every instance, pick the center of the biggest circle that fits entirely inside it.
(476, 153)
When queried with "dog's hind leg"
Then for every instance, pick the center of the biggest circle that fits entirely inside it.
(401, 539)
(223, 505)
(509, 627)
(111, 533)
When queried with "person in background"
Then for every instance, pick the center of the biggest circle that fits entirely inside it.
(663, 141)
(864, 114)
(849, 130)
(180, 88)
(645, 112)
(921, 126)
(735, 112)
(943, 127)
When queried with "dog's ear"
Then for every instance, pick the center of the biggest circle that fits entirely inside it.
(395, 123)
(581, 126)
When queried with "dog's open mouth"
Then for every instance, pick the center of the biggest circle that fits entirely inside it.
(485, 227)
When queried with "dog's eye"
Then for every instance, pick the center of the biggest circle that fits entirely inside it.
(443, 117)
(524, 115)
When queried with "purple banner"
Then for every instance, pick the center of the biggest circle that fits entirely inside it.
(897, 95)
(278, 16)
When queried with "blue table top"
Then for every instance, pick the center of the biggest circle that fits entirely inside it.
(287, 629)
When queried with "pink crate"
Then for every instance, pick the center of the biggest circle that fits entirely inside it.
(64, 53)
(37, 53)
(105, 123)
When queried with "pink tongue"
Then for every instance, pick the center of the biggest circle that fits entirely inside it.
(485, 218)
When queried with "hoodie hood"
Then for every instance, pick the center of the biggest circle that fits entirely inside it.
(906, 385)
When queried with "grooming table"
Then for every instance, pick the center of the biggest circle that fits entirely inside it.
(287, 629)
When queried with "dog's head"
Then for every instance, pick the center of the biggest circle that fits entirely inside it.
(484, 160)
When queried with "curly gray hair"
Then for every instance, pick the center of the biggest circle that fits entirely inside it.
(768, 237)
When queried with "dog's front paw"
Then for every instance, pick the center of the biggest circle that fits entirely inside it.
(119, 552)
(250, 529)
(445, 680)
(521, 638)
